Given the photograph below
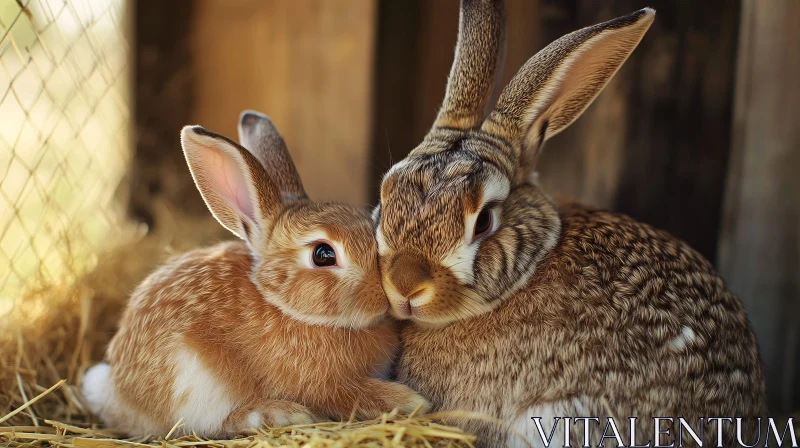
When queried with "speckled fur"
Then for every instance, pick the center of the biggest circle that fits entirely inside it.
(563, 310)
(595, 321)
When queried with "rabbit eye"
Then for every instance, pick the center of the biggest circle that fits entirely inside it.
(483, 224)
(323, 255)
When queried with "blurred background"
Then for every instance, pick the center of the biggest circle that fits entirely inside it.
(697, 134)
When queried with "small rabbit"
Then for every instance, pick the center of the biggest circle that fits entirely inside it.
(283, 328)
(530, 309)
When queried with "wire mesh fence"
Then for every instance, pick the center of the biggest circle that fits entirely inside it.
(64, 140)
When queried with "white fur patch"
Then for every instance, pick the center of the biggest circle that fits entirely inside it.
(383, 248)
(254, 420)
(97, 388)
(495, 189)
(423, 298)
(375, 214)
(99, 391)
(204, 401)
(680, 342)
(461, 260)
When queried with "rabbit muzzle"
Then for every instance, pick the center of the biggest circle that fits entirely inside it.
(409, 284)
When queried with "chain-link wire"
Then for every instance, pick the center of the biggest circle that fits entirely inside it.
(64, 139)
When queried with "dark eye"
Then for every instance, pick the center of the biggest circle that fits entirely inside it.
(323, 255)
(483, 224)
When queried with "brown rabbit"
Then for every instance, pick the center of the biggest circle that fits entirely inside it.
(521, 308)
(284, 327)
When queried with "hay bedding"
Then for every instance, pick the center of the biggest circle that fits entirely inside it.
(47, 344)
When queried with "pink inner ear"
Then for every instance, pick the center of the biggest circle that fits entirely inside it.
(229, 181)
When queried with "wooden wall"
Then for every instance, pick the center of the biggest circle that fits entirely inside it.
(760, 237)
(164, 98)
(305, 63)
(308, 64)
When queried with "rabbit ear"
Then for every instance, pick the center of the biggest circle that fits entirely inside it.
(557, 84)
(232, 182)
(479, 54)
(259, 136)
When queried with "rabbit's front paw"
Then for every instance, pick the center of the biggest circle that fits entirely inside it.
(414, 402)
(279, 413)
(287, 414)
(403, 398)
(378, 397)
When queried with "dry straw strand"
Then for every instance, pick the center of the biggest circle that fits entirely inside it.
(31, 401)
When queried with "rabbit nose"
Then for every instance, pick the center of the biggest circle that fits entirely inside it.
(411, 275)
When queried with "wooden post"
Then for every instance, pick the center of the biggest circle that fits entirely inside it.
(759, 247)
(164, 98)
(305, 63)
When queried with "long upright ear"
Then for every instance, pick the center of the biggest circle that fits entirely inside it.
(479, 54)
(259, 136)
(232, 182)
(556, 85)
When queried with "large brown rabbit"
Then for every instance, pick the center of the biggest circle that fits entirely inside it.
(522, 308)
(279, 329)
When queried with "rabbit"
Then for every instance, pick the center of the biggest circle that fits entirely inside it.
(287, 327)
(518, 307)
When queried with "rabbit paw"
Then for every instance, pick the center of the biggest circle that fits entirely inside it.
(276, 414)
(380, 397)
(414, 402)
(404, 399)
(279, 416)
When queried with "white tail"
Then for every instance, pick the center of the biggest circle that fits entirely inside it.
(97, 388)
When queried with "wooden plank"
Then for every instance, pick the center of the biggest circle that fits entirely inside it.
(395, 102)
(163, 97)
(655, 144)
(305, 63)
(416, 42)
(759, 251)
